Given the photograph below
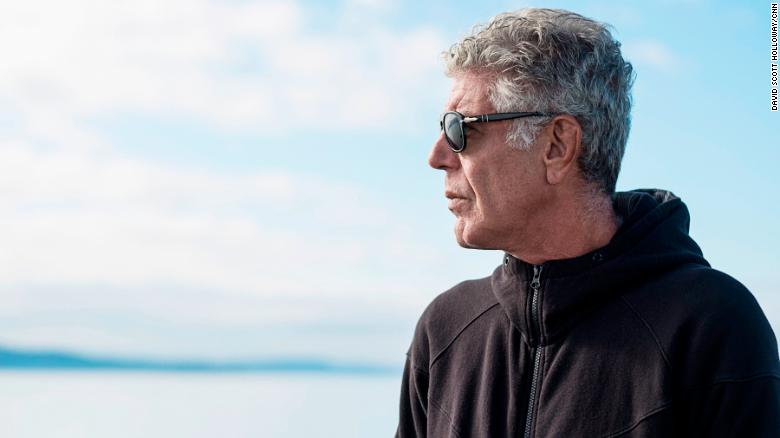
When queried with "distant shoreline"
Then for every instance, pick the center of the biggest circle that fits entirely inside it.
(18, 360)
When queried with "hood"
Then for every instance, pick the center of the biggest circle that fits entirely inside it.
(653, 239)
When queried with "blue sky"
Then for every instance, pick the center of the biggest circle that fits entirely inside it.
(248, 178)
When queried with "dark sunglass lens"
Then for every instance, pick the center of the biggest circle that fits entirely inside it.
(454, 131)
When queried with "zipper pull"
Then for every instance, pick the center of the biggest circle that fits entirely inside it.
(535, 282)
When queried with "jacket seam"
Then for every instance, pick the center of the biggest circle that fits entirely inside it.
(745, 379)
(667, 405)
(649, 329)
(446, 347)
(639, 421)
(413, 378)
(446, 414)
(725, 380)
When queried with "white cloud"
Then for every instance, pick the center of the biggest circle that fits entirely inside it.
(77, 213)
(372, 4)
(90, 234)
(237, 65)
(98, 236)
(654, 54)
(103, 219)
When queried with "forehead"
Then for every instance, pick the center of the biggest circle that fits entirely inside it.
(469, 94)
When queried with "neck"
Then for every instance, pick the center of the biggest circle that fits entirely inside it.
(565, 235)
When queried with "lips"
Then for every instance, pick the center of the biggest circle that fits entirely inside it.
(455, 201)
(453, 195)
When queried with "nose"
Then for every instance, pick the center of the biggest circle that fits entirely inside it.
(441, 156)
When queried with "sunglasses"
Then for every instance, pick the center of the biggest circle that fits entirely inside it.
(454, 123)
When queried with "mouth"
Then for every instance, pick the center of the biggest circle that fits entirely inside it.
(455, 202)
(452, 195)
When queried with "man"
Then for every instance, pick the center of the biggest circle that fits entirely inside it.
(604, 319)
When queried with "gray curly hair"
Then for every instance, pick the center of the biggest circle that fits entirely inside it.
(555, 61)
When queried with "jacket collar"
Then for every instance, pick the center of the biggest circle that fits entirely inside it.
(652, 239)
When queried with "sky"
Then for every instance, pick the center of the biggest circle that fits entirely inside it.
(248, 179)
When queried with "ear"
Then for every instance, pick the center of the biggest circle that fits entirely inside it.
(563, 148)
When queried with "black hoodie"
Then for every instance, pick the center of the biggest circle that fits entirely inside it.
(640, 338)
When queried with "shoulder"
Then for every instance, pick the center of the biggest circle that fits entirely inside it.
(447, 316)
(702, 295)
(709, 323)
(695, 291)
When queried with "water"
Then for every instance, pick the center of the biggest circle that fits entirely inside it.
(119, 405)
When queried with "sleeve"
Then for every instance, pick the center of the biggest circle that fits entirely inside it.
(736, 377)
(740, 408)
(413, 414)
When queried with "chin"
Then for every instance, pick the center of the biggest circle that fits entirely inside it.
(462, 242)
(469, 236)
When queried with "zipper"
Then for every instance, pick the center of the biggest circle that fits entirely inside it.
(537, 352)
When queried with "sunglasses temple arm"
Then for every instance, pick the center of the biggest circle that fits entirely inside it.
(496, 117)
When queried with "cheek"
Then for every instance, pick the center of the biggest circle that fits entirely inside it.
(499, 189)
(472, 179)
(484, 188)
